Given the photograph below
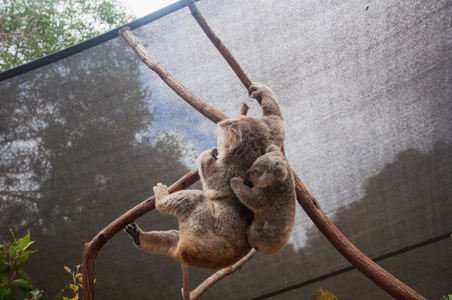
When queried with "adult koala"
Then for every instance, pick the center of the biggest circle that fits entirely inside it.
(213, 223)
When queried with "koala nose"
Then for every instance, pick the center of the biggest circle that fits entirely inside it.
(247, 180)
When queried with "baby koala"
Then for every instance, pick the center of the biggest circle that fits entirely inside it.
(269, 192)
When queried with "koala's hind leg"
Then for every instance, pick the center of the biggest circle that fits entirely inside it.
(159, 242)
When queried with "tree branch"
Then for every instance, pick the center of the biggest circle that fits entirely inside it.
(185, 282)
(91, 249)
(177, 86)
(218, 44)
(378, 275)
(219, 275)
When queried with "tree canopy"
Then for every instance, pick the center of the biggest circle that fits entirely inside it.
(30, 29)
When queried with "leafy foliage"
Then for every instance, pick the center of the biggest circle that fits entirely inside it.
(30, 29)
(14, 280)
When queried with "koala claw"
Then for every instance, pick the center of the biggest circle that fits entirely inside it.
(214, 152)
(255, 89)
(134, 232)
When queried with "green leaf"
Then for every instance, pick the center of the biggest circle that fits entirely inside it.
(6, 293)
(22, 283)
(24, 242)
(38, 294)
(12, 233)
(41, 297)
(3, 291)
(60, 294)
(2, 258)
(12, 252)
(22, 258)
(24, 276)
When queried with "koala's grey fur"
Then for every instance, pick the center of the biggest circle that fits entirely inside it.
(213, 223)
(272, 199)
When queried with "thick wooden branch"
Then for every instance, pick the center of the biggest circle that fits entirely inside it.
(91, 249)
(378, 275)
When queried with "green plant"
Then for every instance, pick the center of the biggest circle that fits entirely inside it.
(13, 279)
(449, 297)
(324, 295)
(76, 283)
(31, 29)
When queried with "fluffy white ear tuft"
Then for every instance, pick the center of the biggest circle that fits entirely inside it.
(229, 135)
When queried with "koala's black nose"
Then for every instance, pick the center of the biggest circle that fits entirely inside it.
(247, 180)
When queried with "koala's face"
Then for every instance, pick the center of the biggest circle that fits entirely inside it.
(266, 170)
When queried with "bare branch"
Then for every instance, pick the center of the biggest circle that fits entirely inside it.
(90, 249)
(218, 44)
(185, 282)
(219, 275)
(380, 276)
(196, 102)
(243, 109)
(369, 268)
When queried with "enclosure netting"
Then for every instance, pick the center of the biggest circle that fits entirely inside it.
(365, 89)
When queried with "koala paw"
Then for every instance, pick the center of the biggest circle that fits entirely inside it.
(236, 181)
(160, 191)
(134, 231)
(214, 152)
(256, 89)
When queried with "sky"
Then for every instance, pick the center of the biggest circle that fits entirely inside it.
(142, 8)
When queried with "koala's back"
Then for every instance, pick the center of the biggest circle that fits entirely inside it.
(257, 133)
(214, 229)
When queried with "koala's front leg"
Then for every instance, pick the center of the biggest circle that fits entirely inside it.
(207, 165)
(248, 196)
(207, 158)
(178, 204)
(266, 98)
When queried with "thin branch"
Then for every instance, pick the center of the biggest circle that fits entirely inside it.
(219, 275)
(185, 282)
(218, 44)
(243, 109)
(91, 249)
(177, 86)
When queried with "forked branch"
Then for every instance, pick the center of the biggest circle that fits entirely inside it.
(91, 249)
(374, 272)
(369, 268)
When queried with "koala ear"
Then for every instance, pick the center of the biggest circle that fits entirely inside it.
(279, 170)
(229, 134)
(272, 148)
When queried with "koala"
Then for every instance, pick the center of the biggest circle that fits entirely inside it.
(213, 222)
(241, 140)
(268, 190)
